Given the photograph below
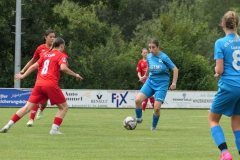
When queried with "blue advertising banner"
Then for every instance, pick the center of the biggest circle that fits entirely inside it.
(14, 97)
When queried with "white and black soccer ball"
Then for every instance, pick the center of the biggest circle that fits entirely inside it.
(130, 123)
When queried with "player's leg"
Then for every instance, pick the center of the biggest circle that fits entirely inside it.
(32, 115)
(144, 104)
(40, 110)
(160, 97)
(235, 122)
(141, 96)
(56, 96)
(37, 94)
(223, 103)
(152, 100)
(63, 108)
(17, 116)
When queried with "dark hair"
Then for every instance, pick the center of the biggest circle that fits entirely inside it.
(57, 42)
(143, 49)
(154, 41)
(47, 32)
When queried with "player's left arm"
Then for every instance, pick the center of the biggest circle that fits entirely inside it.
(175, 78)
(168, 62)
(66, 70)
(219, 67)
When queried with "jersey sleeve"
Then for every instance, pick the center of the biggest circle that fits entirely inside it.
(218, 53)
(139, 69)
(62, 59)
(40, 61)
(168, 62)
(37, 53)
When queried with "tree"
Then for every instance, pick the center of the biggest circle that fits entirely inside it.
(127, 14)
(38, 16)
(7, 20)
(179, 35)
(84, 34)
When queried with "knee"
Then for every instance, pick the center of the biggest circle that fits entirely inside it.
(138, 101)
(65, 108)
(156, 109)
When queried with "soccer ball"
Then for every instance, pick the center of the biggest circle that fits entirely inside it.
(130, 123)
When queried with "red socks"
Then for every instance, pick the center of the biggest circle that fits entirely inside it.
(152, 100)
(144, 104)
(58, 121)
(33, 112)
(15, 118)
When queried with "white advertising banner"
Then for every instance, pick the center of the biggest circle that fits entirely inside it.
(111, 98)
(100, 98)
(189, 99)
(126, 98)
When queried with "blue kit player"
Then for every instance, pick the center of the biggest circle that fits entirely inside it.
(227, 99)
(157, 83)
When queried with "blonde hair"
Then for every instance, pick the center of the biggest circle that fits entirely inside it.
(231, 21)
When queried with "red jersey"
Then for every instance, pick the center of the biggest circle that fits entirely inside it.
(49, 68)
(142, 67)
(45, 52)
(43, 49)
(40, 49)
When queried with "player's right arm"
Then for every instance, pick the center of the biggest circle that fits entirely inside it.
(145, 76)
(35, 57)
(139, 75)
(29, 70)
(31, 62)
(139, 70)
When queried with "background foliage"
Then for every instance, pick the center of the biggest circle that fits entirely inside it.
(104, 38)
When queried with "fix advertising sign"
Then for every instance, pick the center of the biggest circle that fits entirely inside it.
(121, 99)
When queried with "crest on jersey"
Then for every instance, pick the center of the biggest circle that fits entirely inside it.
(64, 59)
(160, 61)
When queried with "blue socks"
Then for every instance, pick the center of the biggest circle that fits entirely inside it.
(237, 139)
(155, 120)
(218, 137)
(138, 112)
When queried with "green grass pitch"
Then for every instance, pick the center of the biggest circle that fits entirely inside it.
(98, 134)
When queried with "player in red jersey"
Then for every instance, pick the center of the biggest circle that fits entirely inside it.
(47, 44)
(141, 69)
(43, 48)
(46, 87)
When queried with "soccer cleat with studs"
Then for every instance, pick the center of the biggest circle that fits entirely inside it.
(139, 120)
(55, 131)
(226, 156)
(4, 129)
(30, 123)
(39, 114)
(153, 128)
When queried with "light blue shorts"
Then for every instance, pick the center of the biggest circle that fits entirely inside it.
(226, 100)
(159, 95)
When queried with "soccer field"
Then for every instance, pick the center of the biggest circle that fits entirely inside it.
(98, 134)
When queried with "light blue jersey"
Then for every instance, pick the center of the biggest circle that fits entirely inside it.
(228, 49)
(158, 80)
(159, 69)
(227, 99)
